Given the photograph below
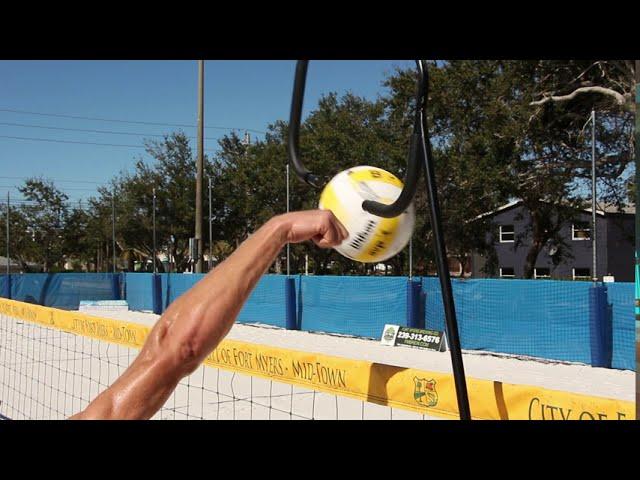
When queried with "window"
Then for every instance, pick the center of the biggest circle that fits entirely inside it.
(581, 274)
(507, 234)
(581, 231)
(507, 272)
(542, 272)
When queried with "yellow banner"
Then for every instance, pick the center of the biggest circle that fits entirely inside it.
(431, 393)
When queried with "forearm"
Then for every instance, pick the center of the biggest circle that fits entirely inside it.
(190, 329)
(199, 319)
(196, 322)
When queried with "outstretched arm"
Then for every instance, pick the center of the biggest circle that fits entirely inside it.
(196, 322)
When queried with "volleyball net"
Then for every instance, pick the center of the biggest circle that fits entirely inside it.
(53, 363)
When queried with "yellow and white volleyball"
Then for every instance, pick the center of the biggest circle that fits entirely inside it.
(371, 238)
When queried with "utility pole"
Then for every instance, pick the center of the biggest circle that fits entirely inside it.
(411, 257)
(593, 195)
(637, 201)
(288, 248)
(199, 168)
(210, 231)
(113, 228)
(154, 232)
(8, 236)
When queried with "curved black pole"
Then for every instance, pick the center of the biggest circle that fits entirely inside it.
(419, 154)
(443, 268)
(414, 162)
(294, 126)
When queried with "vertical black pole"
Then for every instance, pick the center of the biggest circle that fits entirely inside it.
(445, 282)
(637, 270)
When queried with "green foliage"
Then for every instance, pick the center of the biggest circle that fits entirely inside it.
(40, 234)
(499, 130)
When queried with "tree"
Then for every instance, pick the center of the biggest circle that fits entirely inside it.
(45, 216)
(514, 129)
(470, 162)
(339, 133)
(22, 248)
(77, 239)
(172, 174)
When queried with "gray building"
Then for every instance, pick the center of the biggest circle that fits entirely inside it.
(615, 245)
(14, 267)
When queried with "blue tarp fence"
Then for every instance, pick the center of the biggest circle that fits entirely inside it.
(556, 320)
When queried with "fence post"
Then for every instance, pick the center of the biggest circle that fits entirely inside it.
(291, 303)
(423, 307)
(115, 285)
(123, 285)
(7, 287)
(600, 327)
(156, 292)
(415, 315)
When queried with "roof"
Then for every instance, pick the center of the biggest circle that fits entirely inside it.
(14, 263)
(3, 262)
(601, 210)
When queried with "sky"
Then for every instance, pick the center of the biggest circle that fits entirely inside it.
(237, 95)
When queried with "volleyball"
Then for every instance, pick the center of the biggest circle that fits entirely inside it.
(371, 238)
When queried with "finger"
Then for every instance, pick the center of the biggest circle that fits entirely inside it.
(342, 231)
(332, 235)
(321, 242)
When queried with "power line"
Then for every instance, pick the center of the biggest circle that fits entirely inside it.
(78, 143)
(66, 188)
(109, 132)
(33, 203)
(56, 180)
(138, 122)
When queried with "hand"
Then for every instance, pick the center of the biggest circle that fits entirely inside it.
(320, 226)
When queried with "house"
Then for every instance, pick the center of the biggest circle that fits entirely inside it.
(14, 267)
(17, 267)
(615, 245)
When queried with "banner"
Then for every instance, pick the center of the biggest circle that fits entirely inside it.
(431, 393)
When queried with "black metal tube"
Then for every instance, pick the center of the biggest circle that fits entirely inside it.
(294, 126)
(420, 151)
(445, 279)
(408, 191)
(414, 162)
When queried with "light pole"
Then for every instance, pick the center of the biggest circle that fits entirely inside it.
(154, 232)
(113, 228)
(8, 237)
(199, 168)
(594, 275)
(288, 248)
(411, 257)
(594, 267)
(210, 231)
(173, 246)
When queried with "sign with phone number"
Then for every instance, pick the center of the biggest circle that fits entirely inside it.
(395, 335)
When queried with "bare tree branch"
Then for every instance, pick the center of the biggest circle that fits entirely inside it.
(619, 98)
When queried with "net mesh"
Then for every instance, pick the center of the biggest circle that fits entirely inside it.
(46, 373)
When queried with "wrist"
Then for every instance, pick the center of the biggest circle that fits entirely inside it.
(279, 227)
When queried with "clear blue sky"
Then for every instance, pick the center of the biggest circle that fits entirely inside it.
(238, 94)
